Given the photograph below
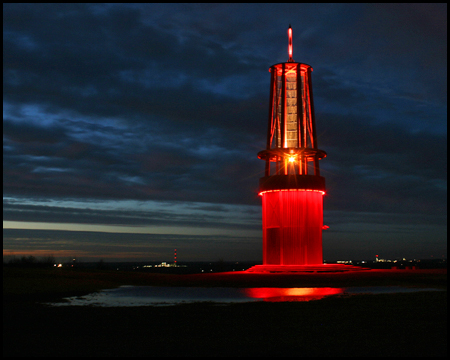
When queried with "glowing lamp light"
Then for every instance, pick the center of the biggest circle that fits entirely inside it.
(291, 158)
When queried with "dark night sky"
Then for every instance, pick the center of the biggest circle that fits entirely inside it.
(131, 130)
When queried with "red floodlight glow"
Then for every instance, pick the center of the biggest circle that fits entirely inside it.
(276, 190)
(292, 227)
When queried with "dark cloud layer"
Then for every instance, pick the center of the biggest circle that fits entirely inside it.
(169, 102)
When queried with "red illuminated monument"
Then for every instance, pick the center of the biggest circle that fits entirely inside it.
(292, 189)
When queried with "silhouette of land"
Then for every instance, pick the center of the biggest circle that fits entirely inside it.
(406, 324)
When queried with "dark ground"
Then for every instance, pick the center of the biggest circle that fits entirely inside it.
(412, 324)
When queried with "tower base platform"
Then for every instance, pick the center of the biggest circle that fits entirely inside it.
(318, 268)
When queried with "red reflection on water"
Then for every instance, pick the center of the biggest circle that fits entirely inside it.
(291, 294)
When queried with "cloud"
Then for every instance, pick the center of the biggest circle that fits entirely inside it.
(169, 103)
(153, 214)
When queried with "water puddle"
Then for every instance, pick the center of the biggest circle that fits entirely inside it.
(161, 295)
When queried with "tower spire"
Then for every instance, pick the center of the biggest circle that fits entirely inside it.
(290, 44)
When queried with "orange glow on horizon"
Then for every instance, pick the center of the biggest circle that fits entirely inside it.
(64, 254)
(45, 253)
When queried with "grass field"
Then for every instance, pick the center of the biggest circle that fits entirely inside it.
(413, 324)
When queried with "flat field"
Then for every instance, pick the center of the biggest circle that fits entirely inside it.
(411, 324)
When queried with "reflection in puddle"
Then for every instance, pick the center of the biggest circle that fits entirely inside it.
(291, 294)
(161, 295)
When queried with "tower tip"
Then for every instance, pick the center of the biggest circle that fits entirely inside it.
(290, 44)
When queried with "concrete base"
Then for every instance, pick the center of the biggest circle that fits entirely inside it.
(319, 268)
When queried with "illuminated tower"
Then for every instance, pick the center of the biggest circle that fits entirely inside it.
(292, 189)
